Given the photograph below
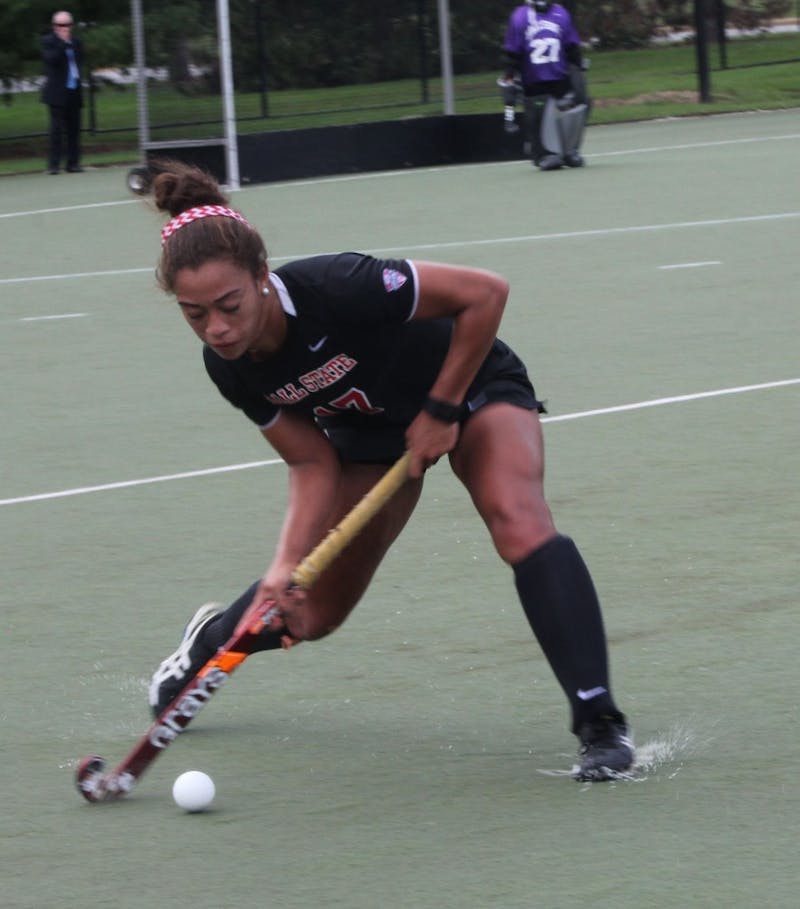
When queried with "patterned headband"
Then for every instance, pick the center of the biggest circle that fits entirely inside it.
(195, 214)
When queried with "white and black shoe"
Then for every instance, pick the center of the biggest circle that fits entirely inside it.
(606, 751)
(180, 667)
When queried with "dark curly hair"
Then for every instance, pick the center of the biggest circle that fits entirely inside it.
(176, 188)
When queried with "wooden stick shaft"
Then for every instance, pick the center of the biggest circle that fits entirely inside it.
(340, 537)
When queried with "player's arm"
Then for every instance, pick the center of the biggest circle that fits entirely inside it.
(474, 299)
(574, 55)
(512, 66)
(54, 50)
(513, 50)
(573, 52)
(313, 480)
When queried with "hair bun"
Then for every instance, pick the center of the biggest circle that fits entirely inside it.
(178, 186)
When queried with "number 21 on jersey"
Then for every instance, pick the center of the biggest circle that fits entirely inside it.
(545, 50)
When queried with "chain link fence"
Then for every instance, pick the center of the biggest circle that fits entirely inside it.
(295, 65)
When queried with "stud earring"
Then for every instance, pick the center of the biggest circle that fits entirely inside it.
(265, 291)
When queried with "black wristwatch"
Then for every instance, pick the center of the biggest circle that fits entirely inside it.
(443, 410)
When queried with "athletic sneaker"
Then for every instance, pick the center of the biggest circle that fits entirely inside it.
(180, 667)
(606, 750)
(550, 162)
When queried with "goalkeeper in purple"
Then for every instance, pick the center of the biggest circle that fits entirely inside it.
(344, 362)
(543, 51)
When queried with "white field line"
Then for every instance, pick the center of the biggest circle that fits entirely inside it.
(78, 274)
(65, 315)
(690, 265)
(126, 484)
(691, 145)
(50, 211)
(675, 399)
(487, 241)
(602, 411)
(606, 231)
(379, 175)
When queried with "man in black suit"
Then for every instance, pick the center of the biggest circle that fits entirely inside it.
(62, 54)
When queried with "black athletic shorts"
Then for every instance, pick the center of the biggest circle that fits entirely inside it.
(382, 444)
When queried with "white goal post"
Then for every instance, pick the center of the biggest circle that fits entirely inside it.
(229, 139)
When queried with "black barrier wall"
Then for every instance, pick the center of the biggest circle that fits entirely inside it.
(392, 145)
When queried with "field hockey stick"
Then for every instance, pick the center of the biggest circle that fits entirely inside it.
(97, 786)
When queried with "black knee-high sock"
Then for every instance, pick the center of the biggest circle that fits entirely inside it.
(221, 628)
(560, 602)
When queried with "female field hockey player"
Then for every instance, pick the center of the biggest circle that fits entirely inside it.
(344, 362)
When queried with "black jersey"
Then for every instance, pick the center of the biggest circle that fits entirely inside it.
(352, 355)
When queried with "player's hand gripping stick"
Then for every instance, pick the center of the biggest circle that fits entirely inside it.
(97, 786)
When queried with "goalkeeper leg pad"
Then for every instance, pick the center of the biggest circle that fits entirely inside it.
(571, 125)
(542, 139)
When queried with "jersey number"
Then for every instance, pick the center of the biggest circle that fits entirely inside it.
(355, 399)
(545, 50)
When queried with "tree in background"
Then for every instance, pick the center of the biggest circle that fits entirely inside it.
(753, 14)
(104, 27)
(315, 43)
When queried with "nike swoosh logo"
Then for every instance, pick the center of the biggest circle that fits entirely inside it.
(315, 347)
(591, 693)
